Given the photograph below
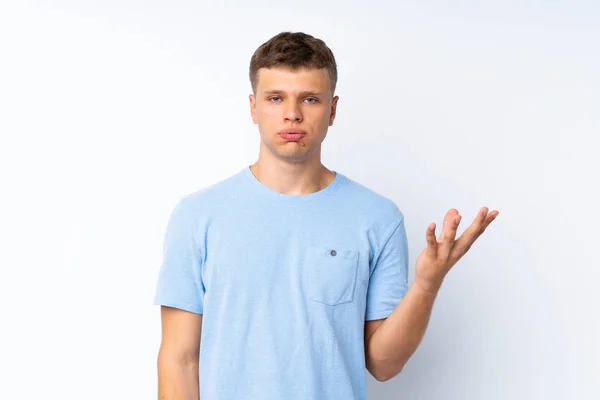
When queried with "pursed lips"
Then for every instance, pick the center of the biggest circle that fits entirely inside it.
(292, 134)
(292, 131)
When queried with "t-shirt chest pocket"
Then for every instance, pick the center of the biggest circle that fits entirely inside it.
(330, 274)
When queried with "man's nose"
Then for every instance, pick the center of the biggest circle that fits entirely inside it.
(293, 113)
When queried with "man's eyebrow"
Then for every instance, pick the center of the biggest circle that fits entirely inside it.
(304, 93)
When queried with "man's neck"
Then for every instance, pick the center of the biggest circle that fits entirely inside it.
(292, 178)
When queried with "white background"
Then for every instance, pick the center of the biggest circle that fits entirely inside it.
(111, 111)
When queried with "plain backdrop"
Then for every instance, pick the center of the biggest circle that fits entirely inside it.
(110, 111)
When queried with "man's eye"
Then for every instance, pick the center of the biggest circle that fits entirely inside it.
(274, 99)
(313, 100)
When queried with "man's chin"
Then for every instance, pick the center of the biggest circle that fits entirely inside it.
(291, 151)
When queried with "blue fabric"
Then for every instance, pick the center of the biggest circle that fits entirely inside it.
(284, 283)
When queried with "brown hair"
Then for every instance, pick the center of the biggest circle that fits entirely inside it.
(293, 50)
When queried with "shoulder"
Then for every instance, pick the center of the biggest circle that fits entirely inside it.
(211, 196)
(197, 208)
(375, 205)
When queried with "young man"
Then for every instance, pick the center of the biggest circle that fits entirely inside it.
(286, 280)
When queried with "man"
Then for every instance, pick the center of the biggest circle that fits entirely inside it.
(286, 280)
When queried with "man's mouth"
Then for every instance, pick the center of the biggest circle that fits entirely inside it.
(292, 134)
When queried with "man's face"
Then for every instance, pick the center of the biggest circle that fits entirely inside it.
(293, 110)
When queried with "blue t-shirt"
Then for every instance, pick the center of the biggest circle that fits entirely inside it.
(284, 284)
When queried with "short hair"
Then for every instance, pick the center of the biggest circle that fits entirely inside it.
(293, 50)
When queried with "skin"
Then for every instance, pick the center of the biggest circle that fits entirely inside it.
(390, 342)
(178, 356)
(292, 99)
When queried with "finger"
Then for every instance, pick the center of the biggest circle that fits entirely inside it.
(481, 222)
(466, 240)
(431, 249)
(451, 222)
(488, 220)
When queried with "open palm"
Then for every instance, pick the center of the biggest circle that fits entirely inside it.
(440, 255)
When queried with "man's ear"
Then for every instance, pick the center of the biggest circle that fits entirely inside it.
(333, 109)
(252, 99)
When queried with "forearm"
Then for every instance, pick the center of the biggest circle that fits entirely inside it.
(177, 379)
(398, 337)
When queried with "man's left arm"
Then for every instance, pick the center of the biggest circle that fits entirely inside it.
(390, 342)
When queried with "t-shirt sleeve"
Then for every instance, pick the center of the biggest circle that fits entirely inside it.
(180, 282)
(389, 280)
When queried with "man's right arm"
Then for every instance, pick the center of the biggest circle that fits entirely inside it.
(179, 355)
